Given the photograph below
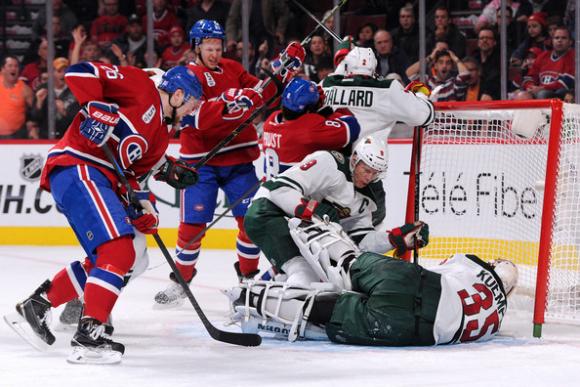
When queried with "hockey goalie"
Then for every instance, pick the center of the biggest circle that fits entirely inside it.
(372, 299)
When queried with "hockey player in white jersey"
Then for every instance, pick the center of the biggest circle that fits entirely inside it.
(378, 104)
(372, 299)
(325, 184)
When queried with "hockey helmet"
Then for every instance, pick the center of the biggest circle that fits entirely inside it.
(205, 29)
(373, 153)
(507, 271)
(360, 61)
(299, 94)
(180, 77)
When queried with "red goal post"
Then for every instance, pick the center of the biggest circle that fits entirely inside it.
(499, 179)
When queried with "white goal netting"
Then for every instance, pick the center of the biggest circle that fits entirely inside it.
(483, 191)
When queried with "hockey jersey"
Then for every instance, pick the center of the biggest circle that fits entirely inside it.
(473, 301)
(552, 72)
(141, 136)
(326, 175)
(377, 104)
(208, 127)
(286, 143)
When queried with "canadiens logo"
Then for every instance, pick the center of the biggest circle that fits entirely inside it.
(209, 79)
(132, 149)
(149, 114)
(31, 167)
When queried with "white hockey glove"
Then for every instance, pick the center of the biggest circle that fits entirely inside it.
(327, 249)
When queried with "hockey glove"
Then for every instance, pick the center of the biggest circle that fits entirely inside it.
(241, 99)
(418, 87)
(143, 215)
(100, 121)
(177, 173)
(409, 237)
(308, 208)
(289, 61)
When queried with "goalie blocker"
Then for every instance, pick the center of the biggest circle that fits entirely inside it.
(391, 302)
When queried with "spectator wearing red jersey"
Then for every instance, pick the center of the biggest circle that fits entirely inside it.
(552, 74)
(163, 20)
(177, 47)
(110, 25)
(32, 71)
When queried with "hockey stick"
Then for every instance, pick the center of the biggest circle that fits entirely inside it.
(261, 86)
(320, 24)
(244, 339)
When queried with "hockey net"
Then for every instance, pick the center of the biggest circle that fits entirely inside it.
(499, 180)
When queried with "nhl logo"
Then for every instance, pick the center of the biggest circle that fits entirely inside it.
(31, 167)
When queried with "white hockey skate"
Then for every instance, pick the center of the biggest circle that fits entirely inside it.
(91, 345)
(172, 296)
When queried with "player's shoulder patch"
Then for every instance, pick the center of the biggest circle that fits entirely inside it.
(149, 114)
(339, 157)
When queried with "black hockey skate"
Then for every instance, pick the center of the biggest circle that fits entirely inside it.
(91, 345)
(173, 295)
(33, 317)
(246, 277)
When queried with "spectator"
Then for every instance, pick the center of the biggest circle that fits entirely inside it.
(110, 25)
(552, 74)
(406, 36)
(163, 20)
(177, 47)
(444, 86)
(329, 23)
(324, 67)
(208, 9)
(553, 22)
(268, 21)
(446, 30)
(68, 20)
(488, 57)
(131, 46)
(364, 35)
(537, 37)
(16, 97)
(254, 63)
(476, 90)
(66, 104)
(31, 72)
(522, 9)
(317, 51)
(389, 58)
(517, 74)
(512, 33)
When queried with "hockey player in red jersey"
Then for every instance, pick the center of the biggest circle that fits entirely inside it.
(123, 110)
(230, 96)
(300, 128)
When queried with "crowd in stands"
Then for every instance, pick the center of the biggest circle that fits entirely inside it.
(463, 60)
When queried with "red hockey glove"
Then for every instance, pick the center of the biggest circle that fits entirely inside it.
(177, 173)
(241, 99)
(418, 87)
(289, 61)
(308, 208)
(409, 237)
(143, 220)
(100, 121)
(344, 48)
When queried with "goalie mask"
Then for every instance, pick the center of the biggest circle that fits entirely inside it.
(326, 248)
(507, 271)
(360, 61)
(373, 153)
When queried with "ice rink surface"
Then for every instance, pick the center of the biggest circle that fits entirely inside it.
(171, 347)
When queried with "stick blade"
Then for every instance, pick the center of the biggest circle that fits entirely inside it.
(236, 338)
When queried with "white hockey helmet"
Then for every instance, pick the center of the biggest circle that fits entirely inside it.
(373, 153)
(507, 271)
(360, 61)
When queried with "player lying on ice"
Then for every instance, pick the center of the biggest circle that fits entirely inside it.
(325, 183)
(124, 110)
(371, 299)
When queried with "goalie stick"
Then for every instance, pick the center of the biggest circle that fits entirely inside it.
(244, 339)
(259, 87)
